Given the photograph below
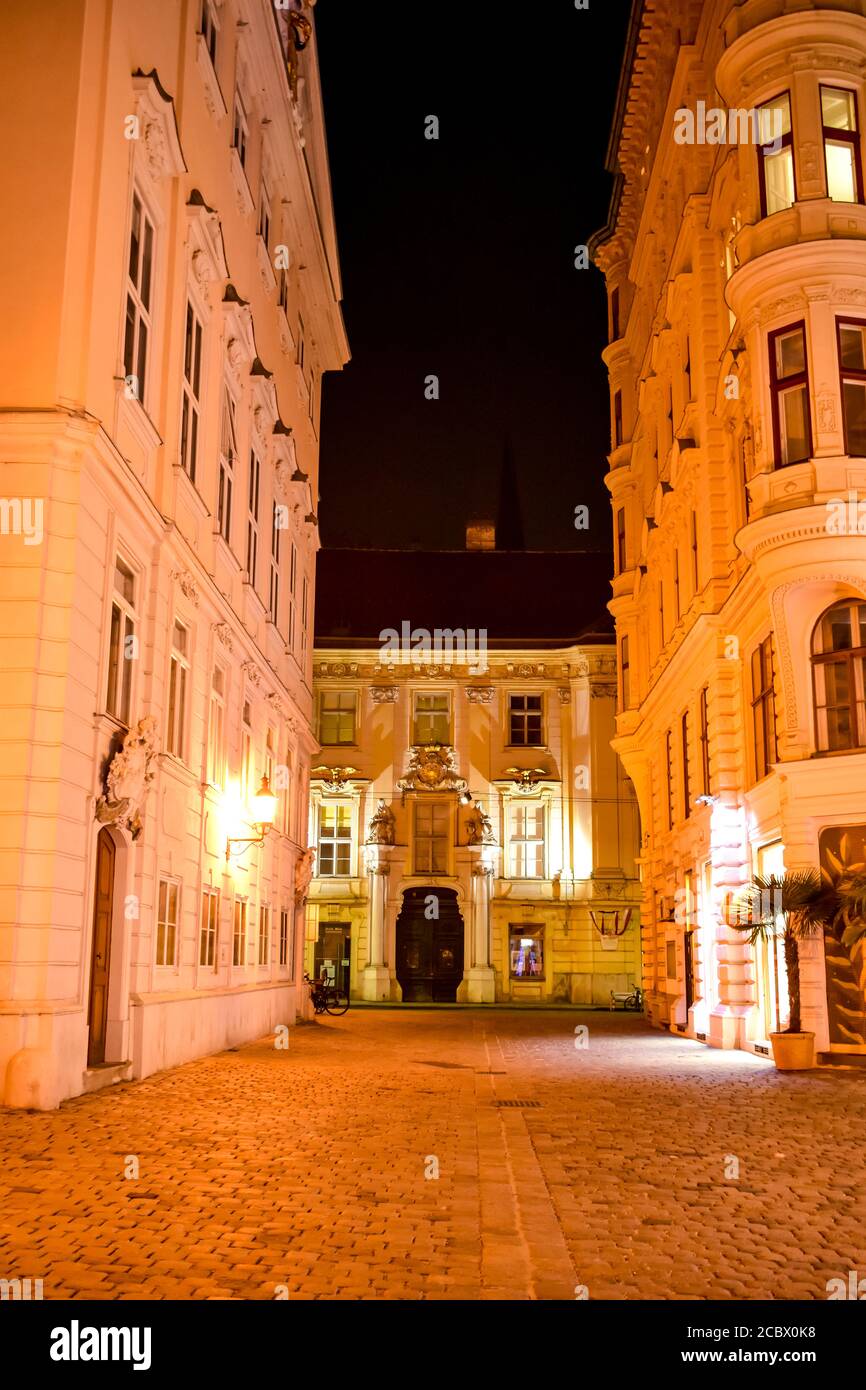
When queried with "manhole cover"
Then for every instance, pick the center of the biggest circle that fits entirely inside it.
(517, 1104)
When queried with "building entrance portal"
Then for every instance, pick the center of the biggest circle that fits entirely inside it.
(429, 946)
(101, 948)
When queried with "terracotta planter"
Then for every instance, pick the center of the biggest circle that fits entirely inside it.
(793, 1051)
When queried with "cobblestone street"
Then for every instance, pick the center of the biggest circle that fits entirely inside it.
(311, 1170)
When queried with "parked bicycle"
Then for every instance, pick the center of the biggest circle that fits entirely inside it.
(327, 998)
(631, 999)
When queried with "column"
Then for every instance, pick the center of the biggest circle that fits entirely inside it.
(480, 980)
(376, 976)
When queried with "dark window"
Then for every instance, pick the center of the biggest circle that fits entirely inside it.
(524, 718)
(614, 315)
(620, 540)
(705, 742)
(694, 548)
(208, 30)
(617, 419)
(669, 779)
(687, 368)
(763, 708)
(625, 674)
(687, 792)
(839, 678)
(852, 372)
(789, 386)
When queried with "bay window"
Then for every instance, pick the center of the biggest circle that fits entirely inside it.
(852, 373)
(776, 155)
(839, 677)
(842, 160)
(789, 388)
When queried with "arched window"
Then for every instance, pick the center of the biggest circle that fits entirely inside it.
(839, 677)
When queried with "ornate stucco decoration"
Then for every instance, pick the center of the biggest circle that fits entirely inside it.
(157, 127)
(129, 777)
(564, 693)
(264, 400)
(480, 694)
(253, 674)
(526, 779)
(383, 694)
(223, 633)
(603, 690)
(238, 330)
(187, 584)
(339, 668)
(303, 874)
(276, 703)
(335, 781)
(431, 767)
(205, 240)
(526, 669)
(381, 828)
(610, 922)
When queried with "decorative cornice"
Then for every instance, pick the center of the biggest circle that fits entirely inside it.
(154, 110)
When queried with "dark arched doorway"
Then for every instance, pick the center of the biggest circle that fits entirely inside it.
(429, 946)
(100, 956)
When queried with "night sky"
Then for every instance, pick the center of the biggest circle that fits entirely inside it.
(458, 260)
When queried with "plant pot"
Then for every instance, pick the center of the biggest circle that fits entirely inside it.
(793, 1051)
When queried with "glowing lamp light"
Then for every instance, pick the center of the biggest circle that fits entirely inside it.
(263, 813)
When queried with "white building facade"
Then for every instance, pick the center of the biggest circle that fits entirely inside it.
(172, 271)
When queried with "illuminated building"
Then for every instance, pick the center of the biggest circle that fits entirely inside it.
(736, 278)
(474, 833)
(170, 267)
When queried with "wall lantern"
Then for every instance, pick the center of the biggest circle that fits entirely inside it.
(263, 812)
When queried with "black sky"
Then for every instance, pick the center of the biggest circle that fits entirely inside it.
(457, 258)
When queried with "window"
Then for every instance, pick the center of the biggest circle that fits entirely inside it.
(305, 605)
(247, 769)
(705, 742)
(763, 708)
(301, 343)
(431, 718)
(122, 643)
(216, 755)
(524, 721)
(191, 403)
(620, 540)
(625, 675)
(274, 587)
(669, 779)
(293, 588)
(210, 911)
(285, 789)
(269, 756)
(776, 156)
(839, 678)
(841, 145)
(335, 841)
(227, 456)
(617, 419)
(614, 315)
(137, 328)
(208, 29)
(526, 953)
(240, 130)
(687, 368)
(694, 550)
(852, 369)
(431, 837)
(283, 291)
(166, 921)
(687, 790)
(264, 223)
(337, 717)
(526, 844)
(676, 584)
(662, 637)
(264, 934)
(789, 386)
(178, 678)
(284, 937)
(239, 933)
(253, 519)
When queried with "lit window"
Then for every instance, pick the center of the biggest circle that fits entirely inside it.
(776, 155)
(526, 953)
(227, 456)
(264, 934)
(123, 643)
(253, 520)
(178, 679)
(841, 145)
(166, 922)
(789, 386)
(852, 368)
(191, 403)
(137, 327)
(284, 938)
(216, 758)
(335, 841)
(431, 721)
(525, 721)
(337, 717)
(431, 837)
(210, 911)
(839, 676)
(526, 843)
(239, 933)
(763, 709)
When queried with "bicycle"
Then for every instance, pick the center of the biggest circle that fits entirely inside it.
(327, 998)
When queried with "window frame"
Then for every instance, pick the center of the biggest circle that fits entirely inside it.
(120, 707)
(519, 844)
(781, 385)
(192, 391)
(618, 435)
(143, 312)
(263, 219)
(216, 726)
(338, 711)
(765, 750)
(209, 930)
(621, 552)
(526, 931)
(275, 567)
(787, 142)
(240, 128)
(842, 656)
(167, 881)
(704, 724)
(844, 137)
(526, 714)
(853, 374)
(209, 31)
(240, 927)
(419, 837)
(445, 695)
(284, 959)
(625, 673)
(263, 951)
(227, 458)
(253, 499)
(670, 809)
(179, 684)
(684, 754)
(322, 809)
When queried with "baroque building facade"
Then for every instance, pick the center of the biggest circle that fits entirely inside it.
(170, 266)
(735, 264)
(474, 834)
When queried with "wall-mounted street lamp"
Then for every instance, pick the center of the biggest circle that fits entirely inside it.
(707, 800)
(263, 813)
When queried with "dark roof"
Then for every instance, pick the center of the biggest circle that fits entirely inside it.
(521, 597)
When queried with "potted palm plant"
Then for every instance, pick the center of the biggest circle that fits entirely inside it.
(794, 906)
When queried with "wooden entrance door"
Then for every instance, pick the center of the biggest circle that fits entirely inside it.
(101, 948)
(429, 948)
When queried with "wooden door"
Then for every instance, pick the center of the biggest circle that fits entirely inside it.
(101, 948)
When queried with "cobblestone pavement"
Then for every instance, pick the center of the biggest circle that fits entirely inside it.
(306, 1169)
